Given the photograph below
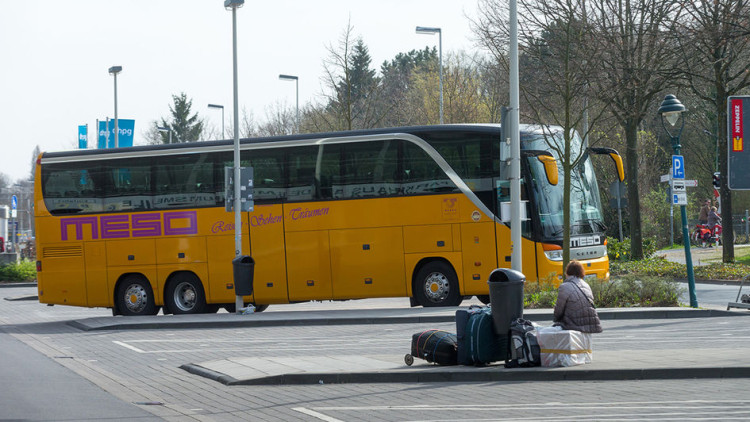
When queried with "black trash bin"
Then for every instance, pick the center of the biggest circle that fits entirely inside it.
(244, 271)
(506, 298)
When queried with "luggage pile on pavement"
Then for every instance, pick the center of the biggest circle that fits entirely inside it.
(477, 343)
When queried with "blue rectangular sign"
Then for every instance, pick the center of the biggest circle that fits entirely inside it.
(83, 141)
(126, 129)
(678, 167)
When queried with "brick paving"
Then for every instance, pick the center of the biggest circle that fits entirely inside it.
(142, 366)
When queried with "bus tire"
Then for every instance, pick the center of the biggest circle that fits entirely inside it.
(436, 284)
(135, 297)
(185, 295)
(484, 299)
(260, 308)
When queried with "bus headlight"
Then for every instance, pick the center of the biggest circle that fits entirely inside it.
(553, 252)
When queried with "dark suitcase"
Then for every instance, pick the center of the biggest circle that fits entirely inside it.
(462, 320)
(434, 346)
(480, 344)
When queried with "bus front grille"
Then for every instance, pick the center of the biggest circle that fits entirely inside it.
(62, 252)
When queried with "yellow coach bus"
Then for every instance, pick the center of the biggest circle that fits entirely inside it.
(404, 212)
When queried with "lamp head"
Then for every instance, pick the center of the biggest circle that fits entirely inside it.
(115, 70)
(671, 109)
(427, 30)
(288, 77)
(231, 4)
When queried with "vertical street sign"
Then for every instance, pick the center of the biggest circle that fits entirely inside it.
(13, 206)
(738, 153)
(678, 167)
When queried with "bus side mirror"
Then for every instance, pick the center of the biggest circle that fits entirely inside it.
(550, 168)
(615, 157)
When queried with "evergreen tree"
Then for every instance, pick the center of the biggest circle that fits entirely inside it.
(185, 128)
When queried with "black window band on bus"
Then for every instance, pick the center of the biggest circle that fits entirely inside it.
(382, 168)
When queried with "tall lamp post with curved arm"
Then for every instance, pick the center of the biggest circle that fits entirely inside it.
(671, 110)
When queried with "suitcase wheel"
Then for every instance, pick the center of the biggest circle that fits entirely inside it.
(408, 359)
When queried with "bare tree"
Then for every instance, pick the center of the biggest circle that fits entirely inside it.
(714, 40)
(353, 88)
(558, 62)
(280, 120)
(637, 64)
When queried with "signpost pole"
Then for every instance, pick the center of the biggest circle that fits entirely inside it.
(678, 172)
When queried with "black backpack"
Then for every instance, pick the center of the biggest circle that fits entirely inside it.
(524, 346)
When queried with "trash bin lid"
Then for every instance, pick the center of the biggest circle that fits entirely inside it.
(505, 275)
(243, 259)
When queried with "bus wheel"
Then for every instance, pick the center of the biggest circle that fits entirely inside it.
(185, 295)
(484, 299)
(436, 284)
(135, 297)
(260, 308)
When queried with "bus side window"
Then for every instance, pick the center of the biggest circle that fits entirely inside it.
(301, 168)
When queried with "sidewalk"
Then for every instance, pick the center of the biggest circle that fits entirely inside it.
(663, 358)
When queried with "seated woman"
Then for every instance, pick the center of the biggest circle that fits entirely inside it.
(575, 303)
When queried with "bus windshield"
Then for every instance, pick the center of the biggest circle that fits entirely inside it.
(585, 204)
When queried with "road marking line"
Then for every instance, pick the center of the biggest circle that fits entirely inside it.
(315, 414)
(127, 346)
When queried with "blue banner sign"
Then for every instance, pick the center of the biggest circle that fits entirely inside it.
(83, 141)
(106, 139)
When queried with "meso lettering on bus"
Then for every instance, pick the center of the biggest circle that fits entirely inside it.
(169, 223)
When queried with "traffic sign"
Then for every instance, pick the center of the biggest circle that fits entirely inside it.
(678, 167)
(691, 183)
(678, 186)
(679, 198)
(738, 112)
(13, 206)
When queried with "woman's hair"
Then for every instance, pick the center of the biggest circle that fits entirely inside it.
(574, 268)
(713, 209)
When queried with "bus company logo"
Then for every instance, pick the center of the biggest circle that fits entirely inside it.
(450, 208)
(585, 241)
(169, 223)
(299, 213)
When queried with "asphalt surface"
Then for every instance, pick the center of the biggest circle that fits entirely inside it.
(344, 361)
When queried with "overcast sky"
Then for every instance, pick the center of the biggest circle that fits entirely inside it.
(55, 56)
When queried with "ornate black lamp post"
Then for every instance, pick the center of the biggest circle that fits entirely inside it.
(671, 110)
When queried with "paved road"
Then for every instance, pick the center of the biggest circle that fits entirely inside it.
(699, 256)
(142, 366)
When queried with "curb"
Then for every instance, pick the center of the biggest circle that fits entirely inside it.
(270, 320)
(484, 374)
(20, 284)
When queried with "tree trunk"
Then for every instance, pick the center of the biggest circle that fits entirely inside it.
(634, 207)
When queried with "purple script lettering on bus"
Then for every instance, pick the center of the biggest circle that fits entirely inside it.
(299, 213)
(78, 223)
(140, 225)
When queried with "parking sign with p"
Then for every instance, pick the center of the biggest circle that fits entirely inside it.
(678, 167)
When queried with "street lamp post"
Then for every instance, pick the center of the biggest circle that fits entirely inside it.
(234, 4)
(114, 70)
(296, 82)
(671, 110)
(165, 129)
(222, 116)
(431, 31)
